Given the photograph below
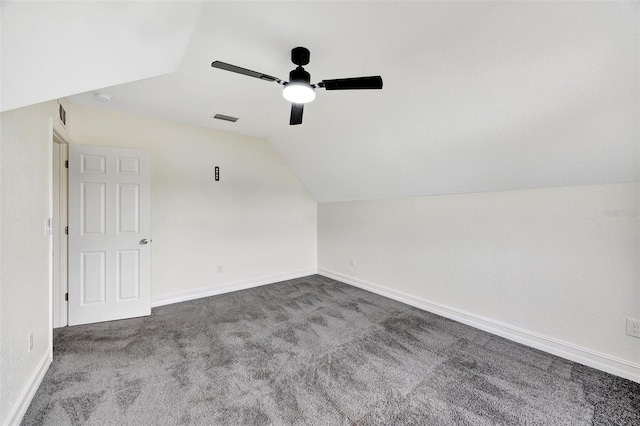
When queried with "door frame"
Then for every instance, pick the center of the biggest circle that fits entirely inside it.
(60, 282)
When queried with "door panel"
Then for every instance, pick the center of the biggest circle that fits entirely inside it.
(93, 208)
(128, 208)
(109, 206)
(128, 275)
(128, 166)
(94, 277)
(93, 163)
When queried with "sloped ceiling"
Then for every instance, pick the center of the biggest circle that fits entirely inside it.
(478, 96)
(52, 49)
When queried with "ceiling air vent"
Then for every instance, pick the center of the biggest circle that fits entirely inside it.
(226, 118)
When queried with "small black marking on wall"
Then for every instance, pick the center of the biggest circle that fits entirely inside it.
(225, 118)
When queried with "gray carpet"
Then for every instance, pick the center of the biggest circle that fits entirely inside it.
(313, 351)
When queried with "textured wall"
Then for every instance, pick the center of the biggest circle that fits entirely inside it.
(559, 262)
(257, 221)
(25, 164)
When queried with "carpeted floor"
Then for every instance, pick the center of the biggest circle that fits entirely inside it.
(314, 351)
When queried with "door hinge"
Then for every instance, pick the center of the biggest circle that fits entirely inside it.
(66, 230)
(66, 163)
(66, 297)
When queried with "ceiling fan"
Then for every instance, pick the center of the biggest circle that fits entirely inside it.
(299, 90)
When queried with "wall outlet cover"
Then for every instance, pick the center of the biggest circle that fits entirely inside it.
(633, 327)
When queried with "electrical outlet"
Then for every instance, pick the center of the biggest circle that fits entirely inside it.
(219, 269)
(30, 341)
(633, 327)
(353, 261)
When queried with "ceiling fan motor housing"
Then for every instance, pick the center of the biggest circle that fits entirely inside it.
(299, 75)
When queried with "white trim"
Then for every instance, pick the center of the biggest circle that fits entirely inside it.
(60, 203)
(588, 357)
(19, 410)
(183, 296)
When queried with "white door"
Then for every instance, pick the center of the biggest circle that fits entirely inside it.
(109, 234)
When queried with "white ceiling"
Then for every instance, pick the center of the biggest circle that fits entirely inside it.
(478, 96)
(52, 49)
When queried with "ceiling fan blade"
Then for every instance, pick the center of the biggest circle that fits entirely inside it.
(373, 82)
(296, 114)
(244, 71)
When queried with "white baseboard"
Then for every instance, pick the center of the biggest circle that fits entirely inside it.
(184, 296)
(18, 411)
(588, 357)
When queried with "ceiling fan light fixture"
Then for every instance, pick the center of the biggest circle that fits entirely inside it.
(298, 93)
(299, 90)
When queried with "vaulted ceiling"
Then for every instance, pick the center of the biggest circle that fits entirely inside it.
(478, 96)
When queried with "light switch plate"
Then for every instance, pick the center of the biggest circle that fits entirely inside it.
(48, 227)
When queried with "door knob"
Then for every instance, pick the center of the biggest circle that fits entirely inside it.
(144, 241)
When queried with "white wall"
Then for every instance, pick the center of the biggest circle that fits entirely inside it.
(551, 267)
(257, 221)
(25, 164)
